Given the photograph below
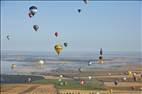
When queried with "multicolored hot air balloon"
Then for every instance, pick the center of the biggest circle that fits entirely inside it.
(58, 48)
(13, 66)
(33, 10)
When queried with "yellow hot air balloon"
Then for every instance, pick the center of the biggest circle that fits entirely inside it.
(110, 91)
(129, 73)
(58, 48)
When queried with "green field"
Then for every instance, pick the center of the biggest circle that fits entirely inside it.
(72, 84)
(64, 84)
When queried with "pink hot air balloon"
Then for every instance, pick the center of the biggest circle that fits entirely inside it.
(82, 82)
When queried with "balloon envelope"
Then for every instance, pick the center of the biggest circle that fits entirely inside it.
(32, 7)
(65, 44)
(33, 10)
(58, 48)
(61, 76)
(85, 1)
(101, 51)
(8, 37)
(79, 10)
(41, 62)
(13, 66)
(30, 14)
(56, 34)
(82, 82)
(89, 77)
(35, 27)
(90, 63)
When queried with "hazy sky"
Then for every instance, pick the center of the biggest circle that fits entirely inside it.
(113, 26)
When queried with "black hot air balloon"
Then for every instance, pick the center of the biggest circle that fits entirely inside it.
(8, 37)
(36, 27)
(101, 51)
(79, 10)
(65, 44)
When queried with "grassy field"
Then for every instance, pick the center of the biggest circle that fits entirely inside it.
(64, 84)
(72, 84)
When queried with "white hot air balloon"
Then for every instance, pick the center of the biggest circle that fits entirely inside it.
(41, 62)
(61, 76)
(89, 77)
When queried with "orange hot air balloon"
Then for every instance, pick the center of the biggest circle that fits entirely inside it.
(58, 48)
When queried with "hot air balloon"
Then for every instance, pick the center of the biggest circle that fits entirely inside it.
(58, 48)
(60, 80)
(79, 10)
(8, 37)
(129, 73)
(79, 69)
(116, 82)
(82, 82)
(89, 77)
(90, 63)
(101, 51)
(85, 1)
(110, 91)
(100, 57)
(61, 83)
(65, 44)
(135, 78)
(30, 14)
(41, 62)
(61, 76)
(35, 27)
(29, 80)
(33, 10)
(97, 92)
(13, 66)
(56, 34)
(124, 78)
